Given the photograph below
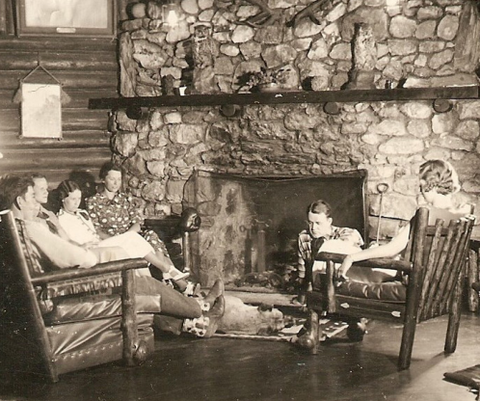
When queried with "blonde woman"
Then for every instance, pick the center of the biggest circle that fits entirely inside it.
(438, 182)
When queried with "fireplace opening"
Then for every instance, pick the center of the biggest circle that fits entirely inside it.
(250, 224)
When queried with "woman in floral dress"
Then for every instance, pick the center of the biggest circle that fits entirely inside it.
(113, 213)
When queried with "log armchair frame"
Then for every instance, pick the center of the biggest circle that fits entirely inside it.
(22, 315)
(433, 270)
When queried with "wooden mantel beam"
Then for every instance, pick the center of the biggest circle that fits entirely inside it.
(342, 96)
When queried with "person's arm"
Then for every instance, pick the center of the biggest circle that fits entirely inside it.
(301, 259)
(135, 217)
(60, 252)
(349, 235)
(135, 227)
(391, 249)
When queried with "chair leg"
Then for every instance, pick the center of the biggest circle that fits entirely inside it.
(315, 328)
(129, 324)
(454, 318)
(310, 340)
(410, 322)
(406, 347)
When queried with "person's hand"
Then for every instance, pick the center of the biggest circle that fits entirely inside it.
(468, 217)
(136, 227)
(89, 245)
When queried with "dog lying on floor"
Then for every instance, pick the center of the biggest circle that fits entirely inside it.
(247, 319)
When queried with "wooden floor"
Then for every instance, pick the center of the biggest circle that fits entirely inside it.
(221, 369)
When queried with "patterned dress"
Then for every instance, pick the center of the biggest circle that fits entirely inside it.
(115, 216)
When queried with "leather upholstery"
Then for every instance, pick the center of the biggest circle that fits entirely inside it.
(391, 291)
(80, 323)
(77, 309)
(93, 342)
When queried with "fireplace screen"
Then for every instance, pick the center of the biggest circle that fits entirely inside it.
(250, 223)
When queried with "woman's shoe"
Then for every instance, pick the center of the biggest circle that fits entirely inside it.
(176, 274)
(180, 285)
(217, 290)
(192, 289)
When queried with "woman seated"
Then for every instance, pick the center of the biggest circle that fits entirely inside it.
(113, 213)
(80, 230)
(199, 316)
(438, 182)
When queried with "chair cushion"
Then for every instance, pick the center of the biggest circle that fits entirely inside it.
(77, 309)
(392, 291)
(78, 338)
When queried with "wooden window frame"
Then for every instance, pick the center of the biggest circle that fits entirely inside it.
(81, 27)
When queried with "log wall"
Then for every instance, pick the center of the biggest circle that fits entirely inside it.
(87, 68)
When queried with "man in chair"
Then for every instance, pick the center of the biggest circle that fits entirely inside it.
(17, 194)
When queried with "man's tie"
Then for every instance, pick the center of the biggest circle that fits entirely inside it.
(52, 227)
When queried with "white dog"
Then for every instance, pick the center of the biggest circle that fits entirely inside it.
(248, 319)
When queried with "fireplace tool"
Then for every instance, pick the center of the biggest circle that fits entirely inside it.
(381, 188)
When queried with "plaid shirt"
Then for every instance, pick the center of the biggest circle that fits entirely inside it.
(305, 244)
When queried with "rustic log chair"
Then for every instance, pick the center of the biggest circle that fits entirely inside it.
(433, 277)
(61, 321)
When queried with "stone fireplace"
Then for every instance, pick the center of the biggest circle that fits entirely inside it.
(411, 43)
(250, 223)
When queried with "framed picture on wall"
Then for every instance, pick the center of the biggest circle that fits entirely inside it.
(66, 17)
(41, 111)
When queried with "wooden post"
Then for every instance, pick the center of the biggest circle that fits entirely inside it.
(454, 316)
(35, 321)
(261, 253)
(434, 286)
(413, 290)
(129, 324)
(473, 277)
(429, 274)
(3, 17)
(455, 307)
(187, 257)
(314, 329)
(331, 304)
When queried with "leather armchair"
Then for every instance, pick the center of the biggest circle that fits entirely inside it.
(70, 319)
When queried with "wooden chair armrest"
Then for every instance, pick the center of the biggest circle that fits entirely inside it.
(99, 269)
(377, 263)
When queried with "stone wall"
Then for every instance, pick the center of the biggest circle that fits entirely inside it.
(418, 43)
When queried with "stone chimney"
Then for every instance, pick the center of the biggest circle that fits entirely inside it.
(414, 44)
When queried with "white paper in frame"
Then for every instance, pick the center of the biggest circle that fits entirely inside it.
(41, 110)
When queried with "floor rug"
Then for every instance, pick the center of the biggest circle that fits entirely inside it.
(328, 329)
